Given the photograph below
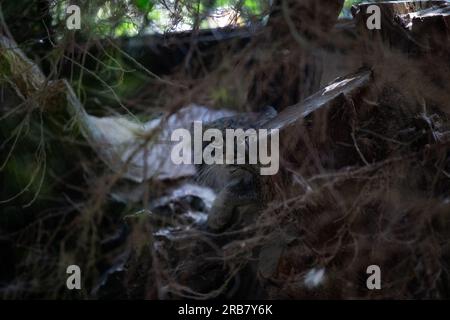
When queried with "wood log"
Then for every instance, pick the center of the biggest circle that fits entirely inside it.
(347, 85)
(325, 120)
(410, 53)
(430, 28)
(394, 32)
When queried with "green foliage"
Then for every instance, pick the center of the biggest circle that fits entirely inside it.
(253, 6)
(144, 6)
(130, 17)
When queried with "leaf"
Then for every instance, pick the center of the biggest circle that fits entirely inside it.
(144, 5)
(252, 5)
